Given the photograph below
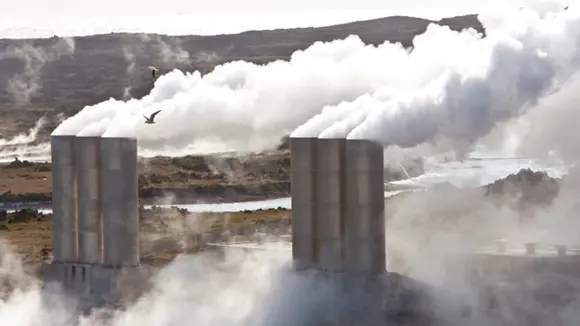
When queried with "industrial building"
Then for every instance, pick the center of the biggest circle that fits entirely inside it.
(338, 231)
(96, 221)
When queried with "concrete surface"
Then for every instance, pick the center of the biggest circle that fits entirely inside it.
(64, 199)
(331, 204)
(365, 216)
(304, 191)
(120, 201)
(88, 162)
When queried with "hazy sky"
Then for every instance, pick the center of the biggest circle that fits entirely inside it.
(44, 18)
(125, 7)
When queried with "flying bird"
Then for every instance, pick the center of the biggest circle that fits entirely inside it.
(153, 71)
(151, 119)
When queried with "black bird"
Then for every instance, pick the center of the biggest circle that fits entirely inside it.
(151, 119)
(153, 71)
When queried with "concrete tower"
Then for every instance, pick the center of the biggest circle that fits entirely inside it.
(365, 200)
(64, 199)
(331, 204)
(120, 201)
(338, 205)
(90, 219)
(303, 167)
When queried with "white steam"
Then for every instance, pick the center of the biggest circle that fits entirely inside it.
(542, 131)
(165, 51)
(453, 88)
(23, 86)
(169, 50)
(130, 71)
(25, 138)
(242, 106)
(476, 82)
(250, 289)
(25, 146)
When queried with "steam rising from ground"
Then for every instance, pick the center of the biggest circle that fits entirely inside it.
(25, 146)
(25, 85)
(167, 50)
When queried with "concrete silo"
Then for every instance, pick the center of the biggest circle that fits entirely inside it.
(304, 191)
(90, 218)
(64, 199)
(120, 201)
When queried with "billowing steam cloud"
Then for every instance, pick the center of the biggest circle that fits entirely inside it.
(542, 131)
(476, 83)
(23, 86)
(241, 106)
(452, 86)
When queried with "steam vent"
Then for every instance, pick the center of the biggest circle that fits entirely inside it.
(96, 221)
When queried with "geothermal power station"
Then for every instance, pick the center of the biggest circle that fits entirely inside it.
(338, 228)
(96, 217)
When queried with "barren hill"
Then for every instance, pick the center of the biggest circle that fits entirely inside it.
(100, 67)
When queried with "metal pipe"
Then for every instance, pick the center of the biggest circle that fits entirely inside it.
(331, 204)
(88, 159)
(64, 199)
(120, 201)
(303, 158)
(365, 217)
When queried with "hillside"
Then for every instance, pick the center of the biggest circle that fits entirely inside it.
(101, 65)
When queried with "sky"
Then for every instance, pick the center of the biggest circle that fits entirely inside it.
(175, 17)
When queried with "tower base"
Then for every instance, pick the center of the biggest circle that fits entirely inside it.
(98, 285)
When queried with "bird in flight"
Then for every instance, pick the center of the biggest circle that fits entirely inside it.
(151, 119)
(153, 71)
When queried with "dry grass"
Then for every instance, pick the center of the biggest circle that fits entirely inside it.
(25, 180)
(28, 238)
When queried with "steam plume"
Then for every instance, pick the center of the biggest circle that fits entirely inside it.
(25, 138)
(478, 83)
(131, 63)
(242, 106)
(23, 86)
(452, 88)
